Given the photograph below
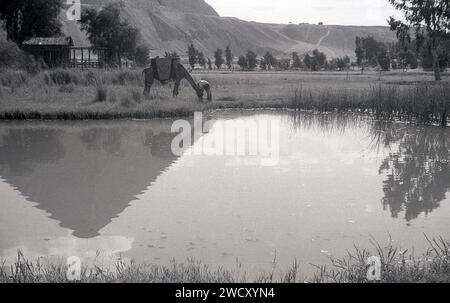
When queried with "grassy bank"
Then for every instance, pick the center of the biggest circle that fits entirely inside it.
(113, 94)
(397, 266)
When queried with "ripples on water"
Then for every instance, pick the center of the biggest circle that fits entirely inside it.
(77, 188)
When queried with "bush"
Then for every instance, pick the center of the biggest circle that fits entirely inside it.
(13, 78)
(66, 76)
(135, 95)
(102, 93)
(126, 78)
(67, 89)
(11, 56)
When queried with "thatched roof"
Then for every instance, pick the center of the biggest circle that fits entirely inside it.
(49, 41)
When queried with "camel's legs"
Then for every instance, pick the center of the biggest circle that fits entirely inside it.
(175, 88)
(149, 78)
(147, 90)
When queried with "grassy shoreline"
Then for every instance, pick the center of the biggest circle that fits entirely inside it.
(101, 94)
(396, 267)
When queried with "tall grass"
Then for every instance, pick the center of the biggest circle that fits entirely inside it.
(61, 76)
(420, 103)
(33, 96)
(396, 266)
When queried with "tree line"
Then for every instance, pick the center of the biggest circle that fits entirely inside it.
(399, 55)
(423, 39)
(250, 60)
(23, 19)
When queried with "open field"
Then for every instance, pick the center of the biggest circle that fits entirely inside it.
(101, 94)
(396, 266)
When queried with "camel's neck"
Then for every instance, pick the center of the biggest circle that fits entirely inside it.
(191, 80)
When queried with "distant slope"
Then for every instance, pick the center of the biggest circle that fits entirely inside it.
(331, 39)
(170, 25)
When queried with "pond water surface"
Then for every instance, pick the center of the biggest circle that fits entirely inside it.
(115, 188)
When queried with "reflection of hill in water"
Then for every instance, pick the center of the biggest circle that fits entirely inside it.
(85, 175)
(417, 168)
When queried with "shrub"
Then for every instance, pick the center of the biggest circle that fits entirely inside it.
(13, 78)
(102, 93)
(135, 95)
(65, 76)
(126, 78)
(127, 102)
(67, 89)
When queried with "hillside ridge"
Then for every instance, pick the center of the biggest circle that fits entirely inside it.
(170, 25)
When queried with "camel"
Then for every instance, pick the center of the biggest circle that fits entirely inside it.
(171, 69)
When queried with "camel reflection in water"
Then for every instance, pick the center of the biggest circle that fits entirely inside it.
(84, 175)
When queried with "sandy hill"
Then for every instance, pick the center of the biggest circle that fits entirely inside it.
(170, 25)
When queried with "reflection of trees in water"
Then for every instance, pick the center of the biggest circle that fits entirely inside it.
(21, 148)
(417, 170)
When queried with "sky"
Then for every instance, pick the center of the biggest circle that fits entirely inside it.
(332, 12)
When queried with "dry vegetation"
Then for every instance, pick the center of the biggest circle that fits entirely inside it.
(108, 94)
(396, 266)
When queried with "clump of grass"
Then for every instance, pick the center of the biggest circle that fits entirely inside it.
(67, 89)
(62, 76)
(396, 265)
(13, 78)
(112, 97)
(126, 78)
(127, 102)
(135, 95)
(101, 93)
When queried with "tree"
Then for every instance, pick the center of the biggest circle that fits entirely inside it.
(242, 62)
(367, 51)
(142, 56)
(107, 28)
(383, 60)
(229, 57)
(172, 55)
(270, 60)
(202, 60)
(341, 64)
(429, 18)
(284, 64)
(218, 55)
(426, 54)
(296, 61)
(360, 54)
(307, 60)
(262, 64)
(251, 60)
(210, 64)
(320, 57)
(192, 55)
(314, 64)
(408, 59)
(31, 18)
(11, 56)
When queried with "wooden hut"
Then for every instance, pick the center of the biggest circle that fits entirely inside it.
(55, 51)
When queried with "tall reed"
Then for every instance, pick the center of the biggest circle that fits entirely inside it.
(419, 103)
